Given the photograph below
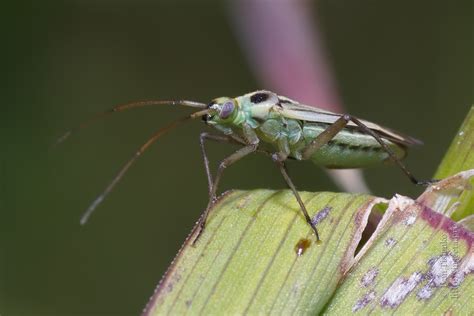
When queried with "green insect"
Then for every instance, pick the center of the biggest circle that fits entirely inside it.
(281, 128)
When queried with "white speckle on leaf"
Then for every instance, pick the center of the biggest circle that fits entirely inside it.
(442, 268)
(400, 289)
(366, 299)
(243, 202)
(322, 214)
(402, 202)
(465, 267)
(460, 134)
(457, 279)
(390, 242)
(425, 292)
(369, 277)
(410, 219)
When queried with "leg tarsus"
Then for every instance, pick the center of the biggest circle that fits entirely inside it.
(201, 227)
(426, 183)
(391, 154)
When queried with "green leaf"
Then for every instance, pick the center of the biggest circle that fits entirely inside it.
(459, 157)
(258, 255)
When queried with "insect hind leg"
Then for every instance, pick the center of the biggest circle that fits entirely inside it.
(340, 124)
(391, 154)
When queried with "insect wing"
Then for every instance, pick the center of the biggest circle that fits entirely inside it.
(307, 113)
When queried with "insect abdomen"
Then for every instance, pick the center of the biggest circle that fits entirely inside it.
(349, 149)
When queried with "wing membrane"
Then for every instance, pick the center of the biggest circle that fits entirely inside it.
(293, 110)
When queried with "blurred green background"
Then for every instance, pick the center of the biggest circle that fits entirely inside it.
(402, 64)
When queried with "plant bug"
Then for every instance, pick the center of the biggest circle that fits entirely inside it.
(265, 122)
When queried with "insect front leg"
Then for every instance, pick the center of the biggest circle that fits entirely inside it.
(217, 138)
(236, 156)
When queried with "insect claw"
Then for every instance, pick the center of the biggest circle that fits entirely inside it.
(316, 233)
(195, 240)
(200, 231)
(426, 182)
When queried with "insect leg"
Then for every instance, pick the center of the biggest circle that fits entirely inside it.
(391, 153)
(328, 134)
(337, 126)
(239, 154)
(281, 165)
(217, 138)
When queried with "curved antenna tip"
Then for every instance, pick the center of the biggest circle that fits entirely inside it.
(61, 139)
(90, 210)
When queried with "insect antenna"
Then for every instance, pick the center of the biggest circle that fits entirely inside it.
(137, 154)
(128, 106)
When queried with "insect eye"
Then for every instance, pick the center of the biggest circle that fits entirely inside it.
(259, 97)
(226, 110)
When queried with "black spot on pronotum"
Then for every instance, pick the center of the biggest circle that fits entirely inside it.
(226, 110)
(259, 97)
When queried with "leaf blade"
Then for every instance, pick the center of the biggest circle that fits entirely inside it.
(417, 261)
(246, 260)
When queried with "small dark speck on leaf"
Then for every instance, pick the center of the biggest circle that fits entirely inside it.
(301, 246)
(390, 242)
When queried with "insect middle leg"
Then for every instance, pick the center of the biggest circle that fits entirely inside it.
(231, 159)
(329, 133)
(279, 158)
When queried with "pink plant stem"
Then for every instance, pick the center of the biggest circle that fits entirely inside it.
(286, 53)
